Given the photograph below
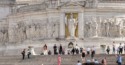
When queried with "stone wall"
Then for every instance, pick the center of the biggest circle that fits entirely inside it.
(104, 24)
(33, 27)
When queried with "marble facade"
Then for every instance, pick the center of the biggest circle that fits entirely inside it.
(47, 21)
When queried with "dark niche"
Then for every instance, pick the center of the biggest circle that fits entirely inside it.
(70, 45)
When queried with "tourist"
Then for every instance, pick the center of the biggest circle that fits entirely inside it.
(55, 49)
(88, 50)
(45, 52)
(45, 47)
(120, 49)
(73, 51)
(119, 60)
(113, 48)
(92, 53)
(63, 51)
(31, 50)
(49, 52)
(81, 49)
(118, 52)
(59, 60)
(124, 47)
(60, 49)
(108, 49)
(93, 48)
(104, 62)
(28, 53)
(78, 63)
(77, 49)
(83, 56)
(23, 54)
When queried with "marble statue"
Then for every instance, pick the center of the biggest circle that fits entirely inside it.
(71, 23)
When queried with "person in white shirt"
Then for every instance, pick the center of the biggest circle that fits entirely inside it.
(77, 49)
(88, 51)
(120, 49)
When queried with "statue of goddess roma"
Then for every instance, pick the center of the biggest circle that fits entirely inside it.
(71, 23)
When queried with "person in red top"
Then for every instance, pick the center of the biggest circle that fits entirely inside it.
(59, 60)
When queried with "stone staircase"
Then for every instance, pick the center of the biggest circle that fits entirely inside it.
(52, 59)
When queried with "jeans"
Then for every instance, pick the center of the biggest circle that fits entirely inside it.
(119, 63)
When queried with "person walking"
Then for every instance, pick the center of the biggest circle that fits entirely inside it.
(23, 54)
(119, 60)
(59, 60)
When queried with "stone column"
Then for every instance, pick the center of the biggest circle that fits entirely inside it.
(81, 25)
(62, 26)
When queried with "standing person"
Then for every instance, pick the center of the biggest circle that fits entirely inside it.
(23, 54)
(88, 50)
(59, 60)
(119, 60)
(73, 51)
(104, 62)
(124, 47)
(113, 48)
(78, 63)
(28, 53)
(92, 53)
(60, 49)
(55, 49)
(81, 49)
(49, 52)
(120, 49)
(83, 56)
(108, 49)
(45, 47)
(77, 49)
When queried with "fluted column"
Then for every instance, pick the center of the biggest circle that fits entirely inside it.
(81, 25)
(62, 25)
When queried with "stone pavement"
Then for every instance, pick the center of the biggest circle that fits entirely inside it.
(52, 59)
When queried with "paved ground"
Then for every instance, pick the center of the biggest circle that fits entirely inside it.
(52, 59)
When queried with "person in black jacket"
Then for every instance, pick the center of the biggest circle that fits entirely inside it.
(60, 49)
(55, 49)
(83, 56)
(73, 51)
(23, 54)
(108, 49)
(92, 53)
